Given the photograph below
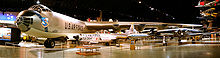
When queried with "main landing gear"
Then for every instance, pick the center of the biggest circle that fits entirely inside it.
(49, 43)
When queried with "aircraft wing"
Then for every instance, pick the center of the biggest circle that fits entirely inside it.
(182, 29)
(138, 25)
(126, 25)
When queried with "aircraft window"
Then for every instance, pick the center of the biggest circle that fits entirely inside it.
(40, 8)
(28, 20)
(33, 7)
(43, 9)
(46, 10)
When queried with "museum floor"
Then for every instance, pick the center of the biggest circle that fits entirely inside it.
(180, 51)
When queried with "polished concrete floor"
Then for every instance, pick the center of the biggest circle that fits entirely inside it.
(181, 51)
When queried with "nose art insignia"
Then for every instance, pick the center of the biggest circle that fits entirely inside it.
(44, 22)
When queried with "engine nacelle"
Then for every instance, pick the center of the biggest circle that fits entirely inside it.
(140, 27)
(116, 25)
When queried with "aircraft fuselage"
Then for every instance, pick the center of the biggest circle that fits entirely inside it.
(49, 24)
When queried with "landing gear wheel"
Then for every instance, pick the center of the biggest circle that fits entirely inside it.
(179, 40)
(49, 43)
(164, 44)
(193, 41)
(107, 44)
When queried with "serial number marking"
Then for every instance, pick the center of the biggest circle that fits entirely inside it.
(72, 26)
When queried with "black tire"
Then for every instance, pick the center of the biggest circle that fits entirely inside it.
(107, 44)
(193, 41)
(49, 43)
(164, 44)
(179, 40)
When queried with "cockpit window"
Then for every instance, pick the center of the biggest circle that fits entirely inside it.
(40, 8)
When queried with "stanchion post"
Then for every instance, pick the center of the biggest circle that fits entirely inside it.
(132, 44)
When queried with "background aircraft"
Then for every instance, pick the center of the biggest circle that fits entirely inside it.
(207, 4)
(40, 21)
(180, 33)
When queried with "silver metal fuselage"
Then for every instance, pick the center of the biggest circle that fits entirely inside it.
(57, 25)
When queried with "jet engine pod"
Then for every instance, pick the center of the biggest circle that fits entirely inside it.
(162, 26)
(153, 32)
(116, 26)
(141, 27)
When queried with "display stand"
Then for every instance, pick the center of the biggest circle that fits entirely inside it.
(88, 50)
(132, 44)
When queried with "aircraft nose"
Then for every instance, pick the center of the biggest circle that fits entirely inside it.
(24, 20)
(28, 13)
(24, 23)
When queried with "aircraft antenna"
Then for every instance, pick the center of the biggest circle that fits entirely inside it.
(38, 2)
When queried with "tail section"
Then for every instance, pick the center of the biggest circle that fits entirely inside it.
(200, 4)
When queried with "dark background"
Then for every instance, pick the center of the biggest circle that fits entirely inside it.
(174, 11)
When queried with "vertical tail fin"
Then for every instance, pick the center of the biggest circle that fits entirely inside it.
(199, 2)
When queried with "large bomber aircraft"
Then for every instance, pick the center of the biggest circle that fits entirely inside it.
(42, 22)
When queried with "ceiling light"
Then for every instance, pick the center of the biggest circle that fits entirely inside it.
(139, 2)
